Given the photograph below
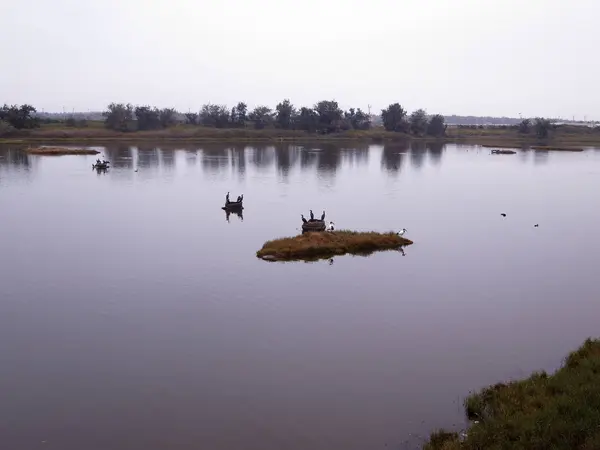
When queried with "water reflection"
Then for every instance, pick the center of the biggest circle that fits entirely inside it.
(392, 156)
(238, 213)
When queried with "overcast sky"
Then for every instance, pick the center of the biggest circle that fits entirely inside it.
(480, 57)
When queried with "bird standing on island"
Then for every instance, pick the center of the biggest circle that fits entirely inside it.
(312, 216)
(402, 231)
(323, 216)
(303, 218)
(330, 226)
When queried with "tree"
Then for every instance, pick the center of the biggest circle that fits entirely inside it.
(307, 120)
(148, 118)
(167, 117)
(262, 116)
(525, 126)
(357, 119)
(394, 118)
(214, 116)
(19, 117)
(418, 122)
(542, 127)
(239, 115)
(285, 115)
(436, 126)
(330, 116)
(191, 118)
(118, 116)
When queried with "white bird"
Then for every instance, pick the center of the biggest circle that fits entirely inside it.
(401, 232)
(330, 226)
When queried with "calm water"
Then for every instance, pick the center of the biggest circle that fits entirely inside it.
(134, 316)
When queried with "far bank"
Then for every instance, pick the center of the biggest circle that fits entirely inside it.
(565, 136)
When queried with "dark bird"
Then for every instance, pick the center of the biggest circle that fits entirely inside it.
(323, 216)
(312, 216)
(537, 225)
(303, 219)
(503, 214)
(227, 198)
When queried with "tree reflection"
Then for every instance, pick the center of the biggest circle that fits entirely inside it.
(418, 150)
(392, 156)
(435, 150)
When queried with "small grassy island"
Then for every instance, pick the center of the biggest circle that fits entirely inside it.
(318, 245)
(57, 151)
(558, 411)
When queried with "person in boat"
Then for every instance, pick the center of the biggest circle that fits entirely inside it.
(303, 218)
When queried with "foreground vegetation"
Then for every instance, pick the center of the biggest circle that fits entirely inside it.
(317, 245)
(559, 411)
(57, 151)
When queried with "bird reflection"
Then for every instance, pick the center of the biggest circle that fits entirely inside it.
(239, 213)
(331, 262)
(401, 250)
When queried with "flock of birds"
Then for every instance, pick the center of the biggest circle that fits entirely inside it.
(535, 226)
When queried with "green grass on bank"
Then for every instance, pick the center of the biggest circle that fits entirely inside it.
(559, 411)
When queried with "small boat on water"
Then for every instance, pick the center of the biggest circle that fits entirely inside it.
(233, 205)
(503, 152)
(101, 165)
(313, 225)
(238, 204)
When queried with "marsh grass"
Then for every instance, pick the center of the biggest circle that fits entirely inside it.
(57, 151)
(317, 245)
(559, 411)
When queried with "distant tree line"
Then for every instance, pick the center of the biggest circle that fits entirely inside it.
(324, 117)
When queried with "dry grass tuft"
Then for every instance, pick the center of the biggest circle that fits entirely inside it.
(315, 245)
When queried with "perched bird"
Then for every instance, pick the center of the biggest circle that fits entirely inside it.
(303, 219)
(330, 226)
(323, 216)
(312, 216)
(503, 214)
(402, 231)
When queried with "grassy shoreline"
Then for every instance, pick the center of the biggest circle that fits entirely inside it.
(59, 151)
(563, 138)
(558, 411)
(321, 245)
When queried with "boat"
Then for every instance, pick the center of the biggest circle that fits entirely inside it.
(313, 225)
(503, 152)
(233, 205)
(101, 166)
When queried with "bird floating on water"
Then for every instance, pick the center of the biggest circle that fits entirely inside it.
(503, 214)
(536, 225)
(330, 226)
(402, 231)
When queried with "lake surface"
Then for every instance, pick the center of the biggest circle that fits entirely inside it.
(134, 315)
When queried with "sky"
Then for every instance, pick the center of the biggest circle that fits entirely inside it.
(466, 57)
